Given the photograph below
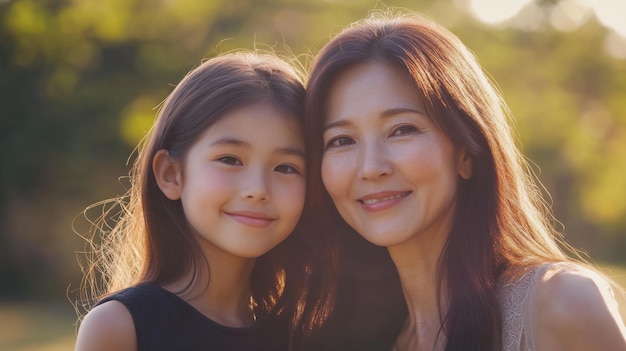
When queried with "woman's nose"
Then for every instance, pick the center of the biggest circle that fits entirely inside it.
(374, 163)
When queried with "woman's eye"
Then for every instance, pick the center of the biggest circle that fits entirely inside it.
(286, 169)
(230, 160)
(339, 141)
(404, 130)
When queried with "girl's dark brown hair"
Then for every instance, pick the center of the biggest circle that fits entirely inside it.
(501, 225)
(152, 241)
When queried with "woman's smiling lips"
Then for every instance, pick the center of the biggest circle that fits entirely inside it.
(252, 219)
(382, 200)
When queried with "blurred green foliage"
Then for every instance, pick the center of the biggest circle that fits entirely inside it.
(80, 81)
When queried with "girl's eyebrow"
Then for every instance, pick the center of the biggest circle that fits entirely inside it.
(295, 151)
(385, 114)
(228, 141)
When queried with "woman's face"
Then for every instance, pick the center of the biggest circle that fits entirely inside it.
(391, 172)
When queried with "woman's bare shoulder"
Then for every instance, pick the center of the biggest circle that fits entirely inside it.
(575, 309)
(108, 326)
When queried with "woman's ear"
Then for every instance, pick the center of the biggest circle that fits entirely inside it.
(464, 164)
(167, 173)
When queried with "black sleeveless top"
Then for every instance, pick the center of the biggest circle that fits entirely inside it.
(164, 321)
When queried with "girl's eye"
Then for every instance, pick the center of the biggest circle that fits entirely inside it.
(404, 130)
(230, 160)
(286, 169)
(339, 141)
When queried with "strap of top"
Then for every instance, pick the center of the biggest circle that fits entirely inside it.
(515, 299)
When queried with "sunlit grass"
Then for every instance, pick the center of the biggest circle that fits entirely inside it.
(36, 326)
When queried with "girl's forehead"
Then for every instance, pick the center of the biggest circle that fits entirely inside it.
(256, 121)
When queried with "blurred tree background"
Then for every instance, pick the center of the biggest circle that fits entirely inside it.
(80, 81)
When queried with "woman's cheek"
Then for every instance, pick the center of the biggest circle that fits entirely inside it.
(336, 173)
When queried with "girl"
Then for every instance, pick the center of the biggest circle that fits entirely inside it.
(208, 253)
(412, 144)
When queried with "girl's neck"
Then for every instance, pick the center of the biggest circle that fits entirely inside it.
(223, 293)
(417, 262)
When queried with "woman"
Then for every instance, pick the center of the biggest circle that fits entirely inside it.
(413, 147)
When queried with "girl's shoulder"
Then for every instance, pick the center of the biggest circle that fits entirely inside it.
(574, 308)
(108, 326)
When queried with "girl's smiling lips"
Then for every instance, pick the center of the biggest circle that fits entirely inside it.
(382, 200)
(250, 218)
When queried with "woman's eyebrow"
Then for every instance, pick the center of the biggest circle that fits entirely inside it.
(339, 123)
(399, 110)
(387, 113)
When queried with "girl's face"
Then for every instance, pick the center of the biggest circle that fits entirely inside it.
(243, 183)
(390, 171)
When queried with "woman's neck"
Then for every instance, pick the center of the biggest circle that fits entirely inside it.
(417, 263)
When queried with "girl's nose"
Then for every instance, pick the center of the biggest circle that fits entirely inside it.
(255, 187)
